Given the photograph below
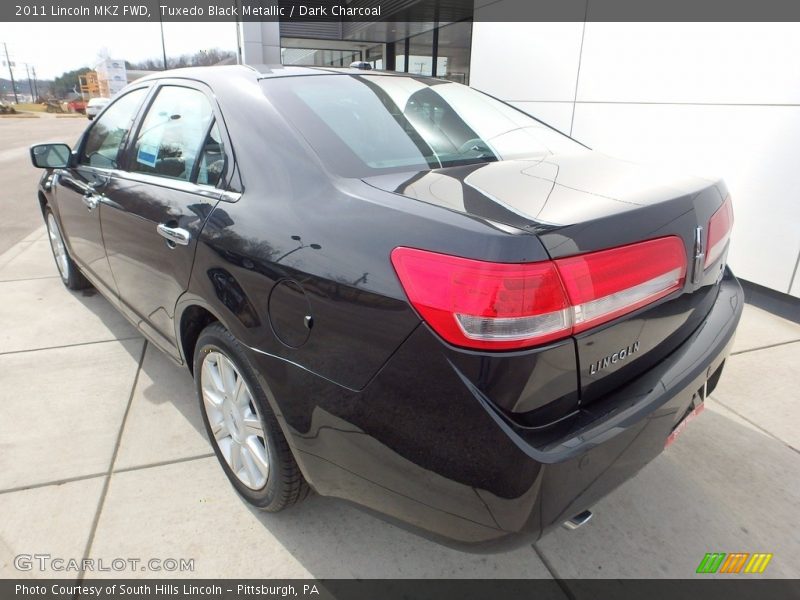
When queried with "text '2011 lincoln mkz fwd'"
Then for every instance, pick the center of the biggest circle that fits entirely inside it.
(400, 291)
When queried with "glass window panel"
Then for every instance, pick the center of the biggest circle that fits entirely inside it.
(211, 165)
(316, 57)
(454, 52)
(170, 137)
(400, 56)
(420, 54)
(373, 124)
(109, 131)
(374, 56)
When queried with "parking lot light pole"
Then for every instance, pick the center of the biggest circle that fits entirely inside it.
(30, 83)
(163, 43)
(11, 74)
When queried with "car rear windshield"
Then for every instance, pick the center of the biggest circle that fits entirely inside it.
(364, 125)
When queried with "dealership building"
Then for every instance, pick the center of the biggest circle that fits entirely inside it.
(712, 99)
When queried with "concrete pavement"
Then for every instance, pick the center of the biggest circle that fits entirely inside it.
(103, 455)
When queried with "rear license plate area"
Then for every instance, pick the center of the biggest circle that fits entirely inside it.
(698, 406)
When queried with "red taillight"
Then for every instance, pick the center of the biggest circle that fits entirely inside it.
(604, 285)
(719, 231)
(481, 304)
(501, 306)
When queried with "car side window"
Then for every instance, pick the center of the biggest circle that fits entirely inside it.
(109, 131)
(211, 164)
(171, 137)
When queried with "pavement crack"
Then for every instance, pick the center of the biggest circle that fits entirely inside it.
(29, 279)
(753, 423)
(164, 463)
(767, 347)
(34, 486)
(553, 572)
(110, 470)
(125, 339)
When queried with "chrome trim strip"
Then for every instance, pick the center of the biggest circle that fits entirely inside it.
(180, 185)
(699, 255)
(228, 196)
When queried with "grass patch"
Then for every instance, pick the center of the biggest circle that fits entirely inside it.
(30, 107)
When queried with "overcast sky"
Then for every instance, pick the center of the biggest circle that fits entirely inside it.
(57, 47)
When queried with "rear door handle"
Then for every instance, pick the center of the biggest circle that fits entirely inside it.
(174, 235)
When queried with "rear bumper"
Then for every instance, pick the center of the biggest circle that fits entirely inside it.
(422, 445)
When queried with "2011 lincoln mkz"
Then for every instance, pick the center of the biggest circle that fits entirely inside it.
(400, 291)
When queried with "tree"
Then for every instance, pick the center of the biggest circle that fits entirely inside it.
(202, 58)
(64, 84)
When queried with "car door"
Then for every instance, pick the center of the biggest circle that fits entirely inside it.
(175, 170)
(81, 189)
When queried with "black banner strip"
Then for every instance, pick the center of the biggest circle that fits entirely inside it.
(399, 10)
(712, 588)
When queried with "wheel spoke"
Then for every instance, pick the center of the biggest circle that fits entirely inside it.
(227, 374)
(236, 457)
(212, 400)
(241, 393)
(252, 426)
(254, 470)
(225, 445)
(259, 454)
(211, 373)
(220, 429)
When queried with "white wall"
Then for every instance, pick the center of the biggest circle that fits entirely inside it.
(720, 99)
(261, 42)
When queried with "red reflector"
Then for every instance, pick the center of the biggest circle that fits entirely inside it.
(604, 285)
(719, 231)
(501, 306)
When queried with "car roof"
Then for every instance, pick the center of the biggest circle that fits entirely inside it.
(217, 72)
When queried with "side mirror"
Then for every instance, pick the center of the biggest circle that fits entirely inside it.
(50, 156)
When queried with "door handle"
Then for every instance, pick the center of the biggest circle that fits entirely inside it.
(91, 200)
(174, 235)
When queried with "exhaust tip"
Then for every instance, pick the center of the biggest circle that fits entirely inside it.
(578, 520)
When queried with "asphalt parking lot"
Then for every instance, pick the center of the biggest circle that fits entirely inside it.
(103, 454)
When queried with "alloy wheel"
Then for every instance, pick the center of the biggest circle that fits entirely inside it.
(234, 420)
(58, 247)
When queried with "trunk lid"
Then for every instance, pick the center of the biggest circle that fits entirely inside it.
(584, 202)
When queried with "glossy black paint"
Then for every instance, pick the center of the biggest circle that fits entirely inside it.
(485, 449)
(85, 236)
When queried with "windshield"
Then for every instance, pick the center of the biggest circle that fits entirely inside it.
(363, 125)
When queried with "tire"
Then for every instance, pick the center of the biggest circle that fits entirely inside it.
(67, 269)
(232, 403)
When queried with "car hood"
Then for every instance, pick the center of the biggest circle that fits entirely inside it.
(542, 193)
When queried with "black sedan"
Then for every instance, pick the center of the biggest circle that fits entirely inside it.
(400, 291)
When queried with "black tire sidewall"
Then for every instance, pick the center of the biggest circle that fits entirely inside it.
(216, 339)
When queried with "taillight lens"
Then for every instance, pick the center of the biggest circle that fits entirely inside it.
(481, 304)
(719, 231)
(604, 285)
(497, 306)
